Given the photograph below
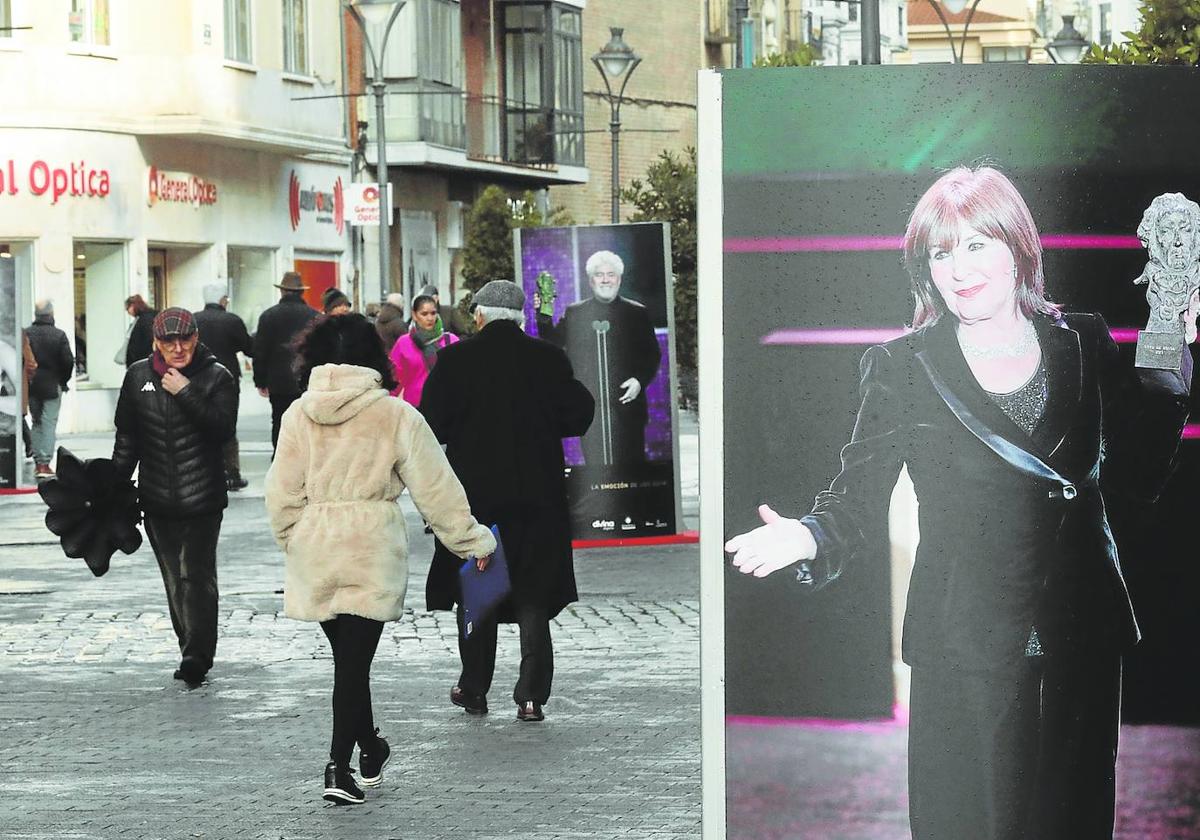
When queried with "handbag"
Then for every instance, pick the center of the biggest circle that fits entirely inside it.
(119, 357)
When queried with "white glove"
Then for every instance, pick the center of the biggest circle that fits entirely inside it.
(777, 543)
(632, 389)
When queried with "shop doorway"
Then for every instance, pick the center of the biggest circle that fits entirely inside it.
(252, 279)
(100, 322)
(177, 274)
(319, 273)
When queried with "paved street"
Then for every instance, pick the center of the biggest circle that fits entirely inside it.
(100, 742)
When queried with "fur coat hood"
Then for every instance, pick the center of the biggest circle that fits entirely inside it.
(346, 452)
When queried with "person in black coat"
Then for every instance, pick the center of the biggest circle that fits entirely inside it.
(55, 364)
(278, 325)
(174, 414)
(610, 340)
(502, 402)
(1017, 423)
(141, 333)
(391, 321)
(224, 333)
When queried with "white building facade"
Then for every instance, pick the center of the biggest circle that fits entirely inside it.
(153, 148)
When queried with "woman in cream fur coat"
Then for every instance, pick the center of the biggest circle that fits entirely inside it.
(345, 454)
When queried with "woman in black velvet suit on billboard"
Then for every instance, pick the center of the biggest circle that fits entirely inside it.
(1017, 617)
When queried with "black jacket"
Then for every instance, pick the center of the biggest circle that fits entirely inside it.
(390, 325)
(55, 364)
(1013, 527)
(273, 358)
(177, 439)
(224, 333)
(502, 402)
(141, 338)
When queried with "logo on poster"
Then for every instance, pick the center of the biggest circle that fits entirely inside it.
(178, 188)
(76, 179)
(362, 204)
(328, 208)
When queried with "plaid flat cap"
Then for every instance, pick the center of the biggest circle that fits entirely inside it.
(174, 321)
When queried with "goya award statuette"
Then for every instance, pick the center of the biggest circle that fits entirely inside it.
(1170, 232)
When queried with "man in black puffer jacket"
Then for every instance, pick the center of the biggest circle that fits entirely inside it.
(278, 326)
(175, 412)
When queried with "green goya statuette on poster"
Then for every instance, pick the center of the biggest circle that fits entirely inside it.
(547, 292)
(1170, 232)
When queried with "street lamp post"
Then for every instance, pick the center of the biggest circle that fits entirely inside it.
(955, 6)
(618, 61)
(379, 12)
(1068, 45)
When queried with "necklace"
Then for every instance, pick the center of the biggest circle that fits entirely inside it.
(1019, 347)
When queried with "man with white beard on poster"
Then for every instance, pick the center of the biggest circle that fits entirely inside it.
(611, 344)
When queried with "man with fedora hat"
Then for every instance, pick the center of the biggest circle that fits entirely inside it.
(175, 412)
(278, 325)
(502, 402)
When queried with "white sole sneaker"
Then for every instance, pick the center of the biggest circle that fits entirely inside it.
(339, 797)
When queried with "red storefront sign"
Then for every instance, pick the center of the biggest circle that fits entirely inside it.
(327, 207)
(42, 177)
(178, 188)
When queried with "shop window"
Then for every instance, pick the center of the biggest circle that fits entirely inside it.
(543, 83)
(252, 279)
(88, 22)
(6, 18)
(295, 36)
(1005, 55)
(101, 324)
(237, 31)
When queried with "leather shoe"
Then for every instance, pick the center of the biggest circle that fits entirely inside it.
(236, 482)
(191, 671)
(474, 704)
(530, 711)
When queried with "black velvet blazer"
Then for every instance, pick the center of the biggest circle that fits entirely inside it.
(1013, 530)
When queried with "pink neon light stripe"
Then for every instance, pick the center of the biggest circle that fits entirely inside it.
(899, 718)
(1191, 431)
(795, 244)
(831, 336)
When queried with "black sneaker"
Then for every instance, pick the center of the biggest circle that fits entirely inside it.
(340, 787)
(371, 764)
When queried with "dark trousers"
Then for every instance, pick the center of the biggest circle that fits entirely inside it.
(354, 640)
(616, 438)
(1027, 752)
(478, 656)
(232, 457)
(187, 557)
(279, 404)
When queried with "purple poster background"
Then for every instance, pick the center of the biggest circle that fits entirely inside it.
(614, 500)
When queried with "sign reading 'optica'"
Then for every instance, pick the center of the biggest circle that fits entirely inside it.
(75, 179)
(178, 188)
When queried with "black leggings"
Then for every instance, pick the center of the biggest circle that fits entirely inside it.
(353, 640)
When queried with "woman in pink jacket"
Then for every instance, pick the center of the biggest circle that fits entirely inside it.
(415, 353)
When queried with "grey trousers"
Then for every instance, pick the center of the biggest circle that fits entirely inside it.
(45, 426)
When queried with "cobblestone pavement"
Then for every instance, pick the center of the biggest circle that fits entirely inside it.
(100, 742)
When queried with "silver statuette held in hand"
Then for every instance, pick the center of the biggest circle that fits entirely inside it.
(1170, 231)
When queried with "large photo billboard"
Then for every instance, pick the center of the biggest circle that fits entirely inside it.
(603, 294)
(11, 378)
(945, 490)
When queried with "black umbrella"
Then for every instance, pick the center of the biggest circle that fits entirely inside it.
(92, 511)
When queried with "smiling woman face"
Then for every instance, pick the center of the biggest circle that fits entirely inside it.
(976, 277)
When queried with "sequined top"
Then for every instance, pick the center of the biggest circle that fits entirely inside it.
(1026, 405)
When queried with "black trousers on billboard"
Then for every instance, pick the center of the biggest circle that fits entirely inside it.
(616, 437)
(186, 550)
(478, 655)
(1026, 752)
(354, 640)
(279, 404)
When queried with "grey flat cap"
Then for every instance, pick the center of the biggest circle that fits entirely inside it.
(502, 293)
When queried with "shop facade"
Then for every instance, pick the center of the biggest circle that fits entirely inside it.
(90, 218)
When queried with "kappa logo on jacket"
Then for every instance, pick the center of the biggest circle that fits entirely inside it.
(149, 386)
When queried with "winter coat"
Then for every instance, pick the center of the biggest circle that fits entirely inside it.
(502, 402)
(278, 325)
(52, 352)
(141, 338)
(225, 334)
(177, 438)
(345, 454)
(390, 324)
(411, 370)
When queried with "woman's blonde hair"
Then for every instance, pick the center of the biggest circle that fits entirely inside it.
(985, 200)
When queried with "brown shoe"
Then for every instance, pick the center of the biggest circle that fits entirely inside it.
(42, 472)
(473, 704)
(530, 711)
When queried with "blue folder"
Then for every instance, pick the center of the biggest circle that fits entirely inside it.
(483, 591)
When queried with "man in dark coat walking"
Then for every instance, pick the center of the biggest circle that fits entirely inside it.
(278, 325)
(175, 411)
(55, 364)
(224, 333)
(502, 402)
(610, 341)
